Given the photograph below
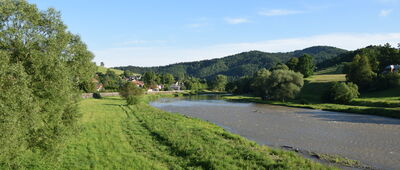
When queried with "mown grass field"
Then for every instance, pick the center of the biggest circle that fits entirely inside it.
(114, 136)
(382, 103)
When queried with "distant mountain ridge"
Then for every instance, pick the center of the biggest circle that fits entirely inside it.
(242, 64)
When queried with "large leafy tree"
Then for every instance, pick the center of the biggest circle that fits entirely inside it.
(167, 79)
(284, 84)
(42, 67)
(306, 65)
(360, 72)
(150, 79)
(278, 85)
(260, 82)
(219, 82)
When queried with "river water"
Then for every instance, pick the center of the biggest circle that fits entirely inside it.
(372, 140)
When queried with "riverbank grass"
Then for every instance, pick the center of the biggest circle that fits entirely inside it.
(115, 136)
(382, 103)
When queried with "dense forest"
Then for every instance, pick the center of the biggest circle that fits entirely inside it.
(238, 65)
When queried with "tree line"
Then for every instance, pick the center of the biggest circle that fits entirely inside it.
(281, 82)
(238, 65)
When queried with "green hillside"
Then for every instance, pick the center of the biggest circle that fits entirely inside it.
(103, 70)
(242, 64)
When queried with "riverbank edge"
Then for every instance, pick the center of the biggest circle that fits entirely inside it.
(323, 158)
(364, 110)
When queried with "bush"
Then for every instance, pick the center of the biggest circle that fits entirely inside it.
(132, 100)
(388, 80)
(343, 93)
(131, 93)
(97, 95)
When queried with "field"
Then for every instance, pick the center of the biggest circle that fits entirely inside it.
(104, 70)
(382, 103)
(114, 136)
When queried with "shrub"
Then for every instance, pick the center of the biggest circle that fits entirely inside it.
(132, 100)
(97, 95)
(341, 92)
(388, 80)
(131, 93)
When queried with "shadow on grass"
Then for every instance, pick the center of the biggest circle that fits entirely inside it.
(107, 104)
(112, 98)
(351, 118)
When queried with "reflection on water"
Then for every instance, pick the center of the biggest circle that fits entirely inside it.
(371, 139)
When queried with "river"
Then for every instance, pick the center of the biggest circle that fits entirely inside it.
(372, 140)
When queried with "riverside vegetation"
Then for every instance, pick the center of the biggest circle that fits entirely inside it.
(382, 103)
(44, 125)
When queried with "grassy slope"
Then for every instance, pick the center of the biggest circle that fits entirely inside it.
(141, 137)
(104, 70)
(382, 103)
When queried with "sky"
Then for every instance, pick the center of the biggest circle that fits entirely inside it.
(161, 32)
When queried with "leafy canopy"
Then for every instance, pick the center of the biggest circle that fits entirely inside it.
(43, 67)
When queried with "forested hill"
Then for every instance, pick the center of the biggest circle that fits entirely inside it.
(238, 65)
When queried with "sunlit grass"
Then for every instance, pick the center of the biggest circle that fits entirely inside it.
(114, 136)
(104, 70)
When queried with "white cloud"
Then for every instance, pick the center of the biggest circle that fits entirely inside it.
(154, 56)
(279, 12)
(236, 20)
(385, 12)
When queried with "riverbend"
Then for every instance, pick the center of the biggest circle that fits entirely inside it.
(372, 140)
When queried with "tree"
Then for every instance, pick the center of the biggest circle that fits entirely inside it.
(102, 64)
(280, 66)
(150, 79)
(219, 82)
(292, 63)
(43, 67)
(241, 86)
(343, 93)
(360, 72)
(167, 79)
(278, 84)
(260, 83)
(306, 65)
(284, 84)
(131, 93)
(111, 80)
(195, 84)
(127, 73)
(388, 80)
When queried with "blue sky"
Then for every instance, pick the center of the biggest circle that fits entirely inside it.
(160, 32)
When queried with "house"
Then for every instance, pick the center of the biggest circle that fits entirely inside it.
(175, 86)
(131, 78)
(99, 86)
(392, 68)
(155, 88)
(138, 83)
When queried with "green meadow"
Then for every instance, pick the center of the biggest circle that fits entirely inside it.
(115, 136)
